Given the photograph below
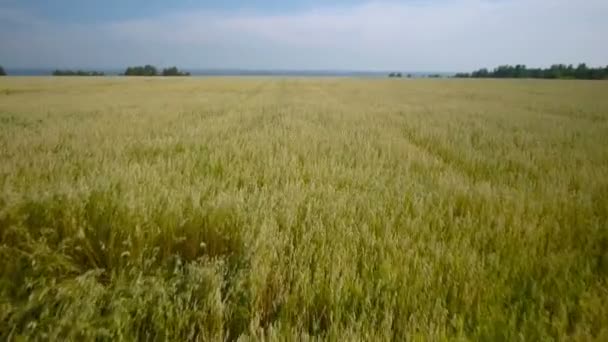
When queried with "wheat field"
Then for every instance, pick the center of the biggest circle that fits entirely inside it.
(303, 209)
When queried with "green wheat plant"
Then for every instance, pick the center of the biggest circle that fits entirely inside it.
(303, 209)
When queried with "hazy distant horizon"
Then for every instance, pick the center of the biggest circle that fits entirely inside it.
(238, 72)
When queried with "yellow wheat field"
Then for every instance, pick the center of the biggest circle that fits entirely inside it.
(294, 209)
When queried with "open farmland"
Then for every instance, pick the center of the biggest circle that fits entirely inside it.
(345, 209)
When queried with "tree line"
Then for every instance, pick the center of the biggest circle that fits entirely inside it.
(77, 73)
(399, 75)
(2, 72)
(150, 70)
(556, 71)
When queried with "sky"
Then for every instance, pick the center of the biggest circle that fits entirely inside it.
(409, 35)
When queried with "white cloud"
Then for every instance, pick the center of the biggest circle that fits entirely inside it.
(438, 35)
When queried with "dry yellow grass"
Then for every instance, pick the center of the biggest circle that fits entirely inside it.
(285, 208)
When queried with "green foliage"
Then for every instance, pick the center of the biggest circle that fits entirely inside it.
(173, 71)
(2, 72)
(557, 71)
(147, 70)
(77, 73)
(291, 209)
(395, 74)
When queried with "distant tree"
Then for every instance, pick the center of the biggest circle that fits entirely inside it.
(570, 72)
(409, 76)
(597, 74)
(502, 71)
(532, 73)
(391, 75)
(173, 71)
(582, 72)
(481, 73)
(77, 73)
(520, 71)
(2, 72)
(170, 71)
(556, 71)
(147, 70)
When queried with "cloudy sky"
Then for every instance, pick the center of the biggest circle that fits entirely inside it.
(412, 35)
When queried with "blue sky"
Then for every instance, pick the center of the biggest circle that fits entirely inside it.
(414, 35)
(99, 11)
